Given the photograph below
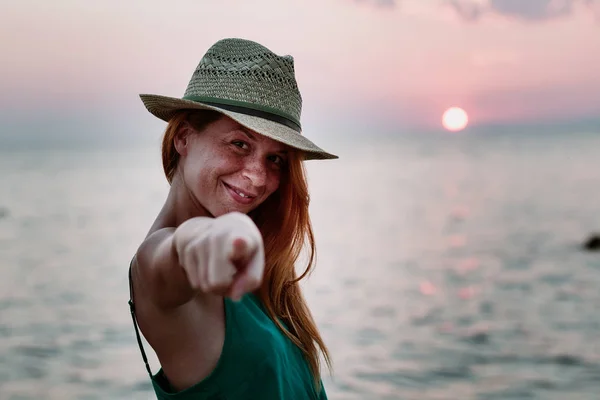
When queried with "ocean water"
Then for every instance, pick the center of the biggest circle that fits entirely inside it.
(449, 267)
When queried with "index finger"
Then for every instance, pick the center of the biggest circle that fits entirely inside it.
(239, 249)
(250, 278)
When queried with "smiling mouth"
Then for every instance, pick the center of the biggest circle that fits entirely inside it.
(242, 194)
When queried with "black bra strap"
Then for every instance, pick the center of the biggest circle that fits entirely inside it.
(137, 332)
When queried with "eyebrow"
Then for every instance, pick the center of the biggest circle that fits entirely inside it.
(247, 132)
(252, 137)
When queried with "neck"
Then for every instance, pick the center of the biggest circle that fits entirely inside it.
(180, 205)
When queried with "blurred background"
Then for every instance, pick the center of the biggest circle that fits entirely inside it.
(450, 262)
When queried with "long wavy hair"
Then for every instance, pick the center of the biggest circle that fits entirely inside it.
(284, 221)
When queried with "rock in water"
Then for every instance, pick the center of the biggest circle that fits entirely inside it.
(593, 243)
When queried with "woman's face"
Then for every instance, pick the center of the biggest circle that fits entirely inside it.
(229, 168)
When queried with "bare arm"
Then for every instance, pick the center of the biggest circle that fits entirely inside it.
(180, 276)
(202, 255)
(158, 268)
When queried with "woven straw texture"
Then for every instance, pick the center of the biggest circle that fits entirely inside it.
(247, 74)
(250, 73)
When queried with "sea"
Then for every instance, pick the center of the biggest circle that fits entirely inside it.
(449, 266)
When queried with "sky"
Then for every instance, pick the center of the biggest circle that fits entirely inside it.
(360, 64)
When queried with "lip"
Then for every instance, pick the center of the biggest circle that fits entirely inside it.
(232, 190)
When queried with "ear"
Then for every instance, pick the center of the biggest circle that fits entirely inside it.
(182, 139)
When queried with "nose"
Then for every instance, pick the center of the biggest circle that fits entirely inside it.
(256, 171)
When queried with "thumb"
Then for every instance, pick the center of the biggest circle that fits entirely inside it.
(238, 288)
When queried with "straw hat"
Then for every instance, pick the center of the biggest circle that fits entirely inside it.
(251, 85)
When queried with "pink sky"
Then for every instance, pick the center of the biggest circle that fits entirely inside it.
(403, 61)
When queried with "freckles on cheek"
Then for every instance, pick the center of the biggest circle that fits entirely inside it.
(227, 163)
(275, 181)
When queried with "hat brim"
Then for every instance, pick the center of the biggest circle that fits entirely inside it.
(165, 107)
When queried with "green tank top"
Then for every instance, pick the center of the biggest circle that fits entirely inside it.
(258, 361)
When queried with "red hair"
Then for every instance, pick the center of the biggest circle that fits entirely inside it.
(284, 222)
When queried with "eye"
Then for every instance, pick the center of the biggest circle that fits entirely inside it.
(241, 144)
(277, 160)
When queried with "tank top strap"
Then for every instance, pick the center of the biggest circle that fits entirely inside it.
(135, 325)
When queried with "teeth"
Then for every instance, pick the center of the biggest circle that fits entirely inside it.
(241, 194)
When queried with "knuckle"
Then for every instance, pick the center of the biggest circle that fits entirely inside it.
(203, 286)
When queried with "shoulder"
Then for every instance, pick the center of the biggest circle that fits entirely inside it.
(150, 244)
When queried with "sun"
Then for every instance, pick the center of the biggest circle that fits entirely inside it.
(455, 119)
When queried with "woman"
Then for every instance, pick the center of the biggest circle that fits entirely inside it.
(213, 285)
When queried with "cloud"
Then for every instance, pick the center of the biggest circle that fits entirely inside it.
(525, 10)
(467, 10)
(380, 3)
(533, 10)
